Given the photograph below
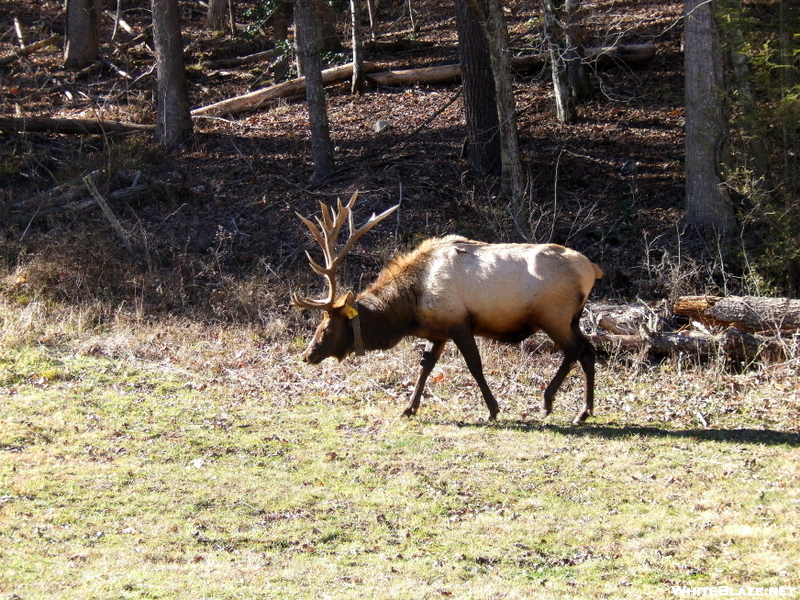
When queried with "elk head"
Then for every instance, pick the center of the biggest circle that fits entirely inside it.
(339, 332)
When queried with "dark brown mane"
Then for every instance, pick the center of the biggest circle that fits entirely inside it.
(406, 266)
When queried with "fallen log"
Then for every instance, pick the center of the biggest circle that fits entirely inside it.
(748, 313)
(441, 74)
(658, 344)
(731, 345)
(71, 195)
(633, 54)
(72, 126)
(227, 63)
(8, 59)
(258, 98)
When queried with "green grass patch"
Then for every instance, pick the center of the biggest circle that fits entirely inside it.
(136, 479)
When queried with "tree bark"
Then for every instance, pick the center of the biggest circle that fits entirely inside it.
(357, 82)
(440, 74)
(173, 121)
(483, 127)
(82, 45)
(557, 50)
(496, 32)
(216, 16)
(372, 9)
(731, 345)
(280, 21)
(708, 207)
(571, 82)
(310, 45)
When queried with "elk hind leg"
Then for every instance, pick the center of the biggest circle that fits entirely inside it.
(576, 348)
(431, 354)
(587, 360)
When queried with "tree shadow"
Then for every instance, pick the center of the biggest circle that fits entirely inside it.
(766, 437)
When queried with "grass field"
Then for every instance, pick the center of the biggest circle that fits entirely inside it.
(171, 462)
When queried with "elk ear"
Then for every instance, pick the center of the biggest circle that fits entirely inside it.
(347, 305)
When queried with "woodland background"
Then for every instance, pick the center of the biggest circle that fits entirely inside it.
(218, 216)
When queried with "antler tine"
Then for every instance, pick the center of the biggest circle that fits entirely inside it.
(320, 236)
(355, 234)
(326, 231)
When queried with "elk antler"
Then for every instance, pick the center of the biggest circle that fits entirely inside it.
(325, 232)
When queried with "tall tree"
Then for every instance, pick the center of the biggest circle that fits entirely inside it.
(357, 83)
(309, 34)
(173, 121)
(494, 26)
(708, 207)
(571, 82)
(480, 104)
(220, 15)
(83, 33)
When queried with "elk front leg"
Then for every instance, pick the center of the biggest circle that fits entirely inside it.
(433, 350)
(558, 379)
(465, 341)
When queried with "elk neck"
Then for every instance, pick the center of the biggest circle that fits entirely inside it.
(385, 321)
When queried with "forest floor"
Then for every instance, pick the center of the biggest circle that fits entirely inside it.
(242, 179)
(160, 438)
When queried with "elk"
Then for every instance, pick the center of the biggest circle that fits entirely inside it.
(452, 288)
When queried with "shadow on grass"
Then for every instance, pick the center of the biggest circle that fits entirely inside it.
(766, 437)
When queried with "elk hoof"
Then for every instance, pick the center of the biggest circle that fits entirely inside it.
(582, 417)
(409, 412)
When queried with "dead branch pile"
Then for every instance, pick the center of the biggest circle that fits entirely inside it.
(737, 329)
(76, 195)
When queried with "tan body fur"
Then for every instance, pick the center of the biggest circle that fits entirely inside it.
(504, 291)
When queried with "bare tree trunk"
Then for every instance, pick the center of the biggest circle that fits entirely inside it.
(217, 14)
(357, 84)
(496, 32)
(480, 104)
(513, 181)
(565, 103)
(571, 83)
(83, 38)
(580, 81)
(310, 45)
(280, 21)
(372, 8)
(708, 207)
(220, 16)
(174, 123)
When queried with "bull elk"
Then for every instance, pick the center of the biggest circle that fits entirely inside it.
(453, 288)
